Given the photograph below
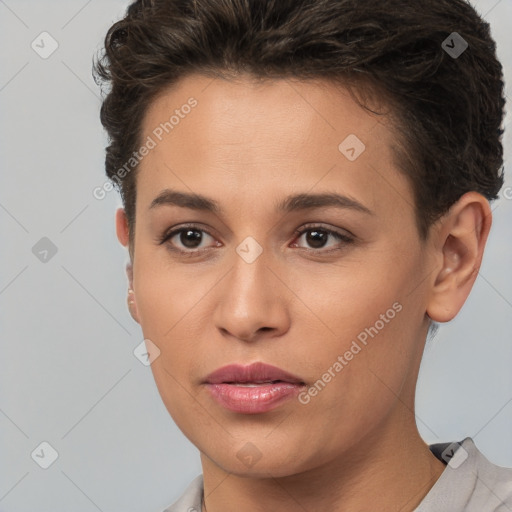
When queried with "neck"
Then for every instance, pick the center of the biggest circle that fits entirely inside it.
(395, 471)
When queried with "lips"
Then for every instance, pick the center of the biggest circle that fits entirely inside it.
(256, 373)
(252, 389)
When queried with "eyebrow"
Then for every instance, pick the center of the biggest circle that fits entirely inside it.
(289, 204)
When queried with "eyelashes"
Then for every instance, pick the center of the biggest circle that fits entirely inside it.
(193, 230)
(183, 229)
(341, 237)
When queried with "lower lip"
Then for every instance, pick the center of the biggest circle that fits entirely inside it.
(253, 400)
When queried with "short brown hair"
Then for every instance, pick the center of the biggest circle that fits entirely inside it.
(448, 109)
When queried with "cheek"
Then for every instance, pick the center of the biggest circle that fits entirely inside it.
(167, 297)
(362, 360)
(168, 310)
(358, 382)
(169, 306)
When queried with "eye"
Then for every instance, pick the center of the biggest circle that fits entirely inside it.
(317, 236)
(187, 239)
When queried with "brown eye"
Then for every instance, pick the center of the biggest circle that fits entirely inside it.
(317, 237)
(190, 238)
(186, 239)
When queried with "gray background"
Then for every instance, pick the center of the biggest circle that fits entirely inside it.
(68, 374)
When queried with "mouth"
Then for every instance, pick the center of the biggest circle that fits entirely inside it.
(252, 389)
(253, 384)
(253, 374)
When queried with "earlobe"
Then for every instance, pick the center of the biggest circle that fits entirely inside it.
(462, 235)
(132, 305)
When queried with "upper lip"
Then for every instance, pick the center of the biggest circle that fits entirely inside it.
(253, 373)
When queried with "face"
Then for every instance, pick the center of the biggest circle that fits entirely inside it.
(311, 262)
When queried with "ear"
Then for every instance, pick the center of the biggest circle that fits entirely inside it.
(460, 238)
(123, 235)
(122, 231)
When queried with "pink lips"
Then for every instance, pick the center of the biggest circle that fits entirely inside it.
(252, 389)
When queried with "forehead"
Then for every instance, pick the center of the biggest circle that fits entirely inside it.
(251, 137)
(239, 105)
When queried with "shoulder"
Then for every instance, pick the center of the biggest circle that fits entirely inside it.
(469, 483)
(493, 483)
(190, 500)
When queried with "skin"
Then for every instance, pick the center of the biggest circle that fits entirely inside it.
(248, 145)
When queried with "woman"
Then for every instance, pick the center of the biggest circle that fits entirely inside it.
(306, 190)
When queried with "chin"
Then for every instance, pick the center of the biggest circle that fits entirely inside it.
(251, 462)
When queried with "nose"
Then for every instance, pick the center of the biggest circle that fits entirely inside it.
(251, 304)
